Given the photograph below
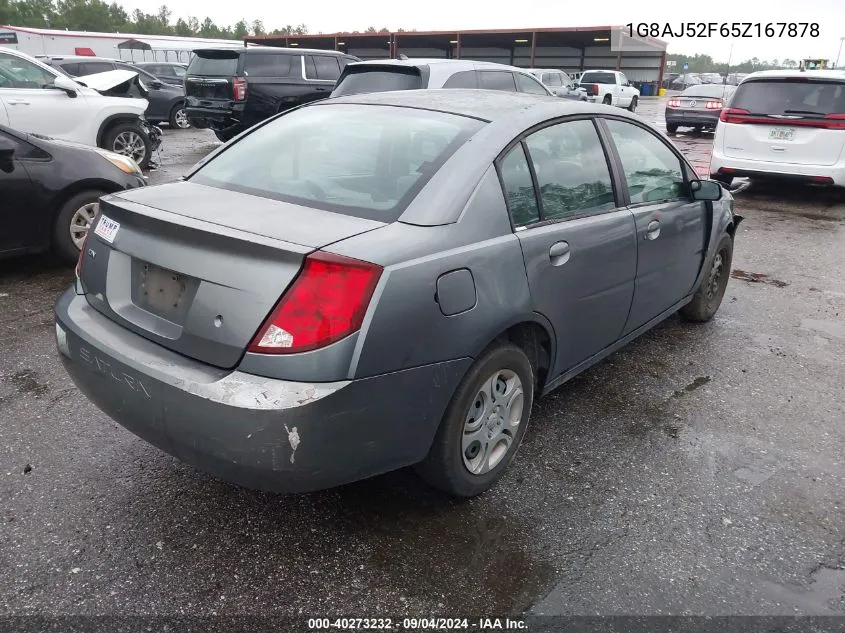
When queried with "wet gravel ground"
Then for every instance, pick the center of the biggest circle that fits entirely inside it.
(698, 471)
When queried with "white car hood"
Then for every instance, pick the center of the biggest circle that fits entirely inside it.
(107, 80)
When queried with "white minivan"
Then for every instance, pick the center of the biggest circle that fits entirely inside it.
(783, 124)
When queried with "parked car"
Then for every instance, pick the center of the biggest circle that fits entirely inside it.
(414, 74)
(230, 90)
(682, 82)
(166, 102)
(610, 87)
(559, 83)
(37, 98)
(168, 72)
(784, 124)
(697, 107)
(734, 79)
(381, 280)
(49, 191)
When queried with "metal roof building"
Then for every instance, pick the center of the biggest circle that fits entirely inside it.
(113, 45)
(572, 49)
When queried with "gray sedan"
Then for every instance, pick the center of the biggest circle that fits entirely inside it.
(393, 289)
(698, 107)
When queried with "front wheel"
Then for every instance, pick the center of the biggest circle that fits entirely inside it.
(633, 105)
(73, 222)
(483, 425)
(707, 299)
(131, 140)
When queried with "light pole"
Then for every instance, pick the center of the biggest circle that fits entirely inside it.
(841, 39)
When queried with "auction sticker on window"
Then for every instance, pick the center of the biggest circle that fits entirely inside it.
(107, 228)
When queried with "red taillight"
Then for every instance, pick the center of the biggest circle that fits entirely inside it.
(733, 115)
(325, 303)
(674, 103)
(713, 105)
(827, 122)
(239, 88)
(824, 180)
(595, 89)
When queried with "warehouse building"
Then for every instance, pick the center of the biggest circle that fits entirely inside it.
(572, 49)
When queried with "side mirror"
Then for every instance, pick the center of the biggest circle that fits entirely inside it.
(7, 148)
(706, 190)
(68, 85)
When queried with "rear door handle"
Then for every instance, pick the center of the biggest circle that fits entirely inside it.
(17, 102)
(653, 230)
(559, 253)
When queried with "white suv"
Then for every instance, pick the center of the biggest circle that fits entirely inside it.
(788, 125)
(35, 98)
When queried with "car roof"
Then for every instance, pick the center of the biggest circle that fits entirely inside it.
(83, 58)
(275, 50)
(458, 64)
(836, 75)
(486, 105)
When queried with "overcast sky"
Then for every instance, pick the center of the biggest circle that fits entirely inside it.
(342, 15)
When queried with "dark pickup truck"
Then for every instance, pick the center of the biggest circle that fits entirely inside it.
(230, 90)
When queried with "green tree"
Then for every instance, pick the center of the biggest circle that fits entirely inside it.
(241, 29)
(258, 27)
(183, 29)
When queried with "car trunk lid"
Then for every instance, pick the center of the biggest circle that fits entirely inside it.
(797, 121)
(198, 269)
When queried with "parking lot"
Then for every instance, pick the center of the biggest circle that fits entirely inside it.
(697, 471)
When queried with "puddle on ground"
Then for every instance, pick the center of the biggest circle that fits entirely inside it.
(743, 275)
(695, 384)
(23, 382)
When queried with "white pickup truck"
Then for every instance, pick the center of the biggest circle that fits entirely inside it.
(610, 87)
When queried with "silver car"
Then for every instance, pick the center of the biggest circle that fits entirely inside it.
(392, 289)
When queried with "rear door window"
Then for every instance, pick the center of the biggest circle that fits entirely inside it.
(572, 171)
(214, 64)
(497, 80)
(530, 85)
(327, 67)
(269, 65)
(463, 79)
(519, 188)
(92, 68)
(791, 97)
(363, 80)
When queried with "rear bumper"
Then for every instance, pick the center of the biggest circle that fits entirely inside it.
(215, 118)
(260, 433)
(818, 174)
(692, 119)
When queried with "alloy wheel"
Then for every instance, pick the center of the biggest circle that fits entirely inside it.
(80, 222)
(131, 144)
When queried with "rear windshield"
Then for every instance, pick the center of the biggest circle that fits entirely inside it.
(790, 96)
(378, 80)
(366, 161)
(598, 78)
(717, 91)
(215, 64)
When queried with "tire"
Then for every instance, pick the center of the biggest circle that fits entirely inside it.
(225, 136)
(608, 100)
(725, 180)
(73, 221)
(447, 465)
(671, 128)
(131, 140)
(707, 299)
(633, 106)
(178, 119)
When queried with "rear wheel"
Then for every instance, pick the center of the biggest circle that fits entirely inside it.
(130, 140)
(707, 299)
(608, 100)
(178, 117)
(671, 128)
(483, 425)
(225, 135)
(73, 222)
(633, 106)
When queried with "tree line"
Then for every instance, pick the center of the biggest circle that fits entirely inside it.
(705, 64)
(103, 17)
